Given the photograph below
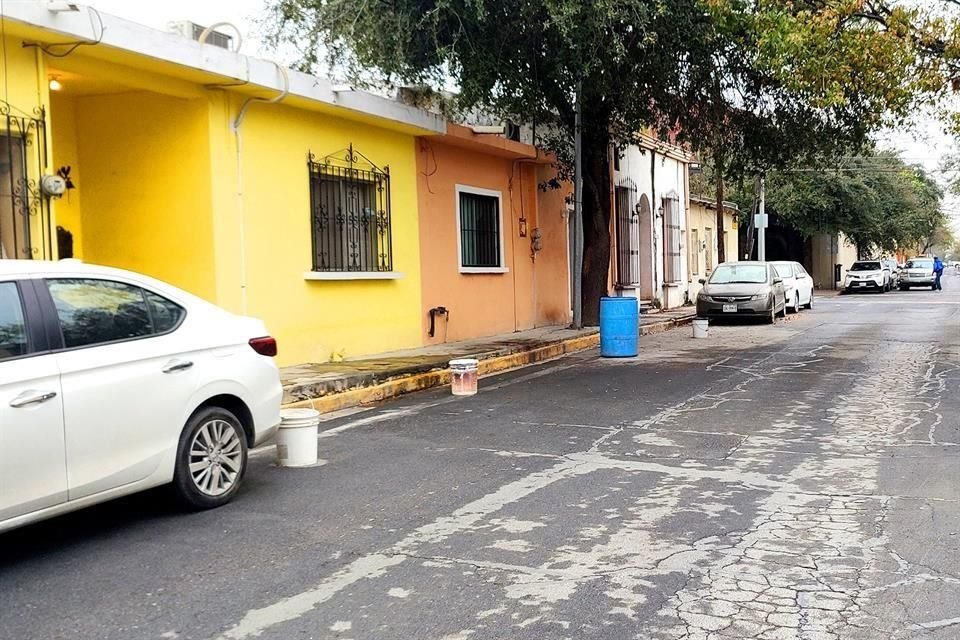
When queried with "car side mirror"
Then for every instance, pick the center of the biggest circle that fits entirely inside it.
(702, 281)
(778, 281)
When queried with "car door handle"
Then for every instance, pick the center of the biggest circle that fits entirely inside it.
(30, 397)
(177, 365)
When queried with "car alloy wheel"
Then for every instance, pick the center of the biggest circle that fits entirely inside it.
(215, 458)
(211, 459)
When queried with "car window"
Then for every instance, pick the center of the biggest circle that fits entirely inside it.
(97, 311)
(739, 273)
(13, 328)
(784, 270)
(866, 266)
(166, 314)
(922, 263)
(801, 272)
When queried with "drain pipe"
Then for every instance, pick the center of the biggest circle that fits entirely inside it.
(235, 127)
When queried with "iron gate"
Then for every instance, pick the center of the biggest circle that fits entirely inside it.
(24, 210)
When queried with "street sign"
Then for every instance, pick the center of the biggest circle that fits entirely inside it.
(760, 221)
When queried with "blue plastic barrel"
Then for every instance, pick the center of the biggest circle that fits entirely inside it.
(619, 327)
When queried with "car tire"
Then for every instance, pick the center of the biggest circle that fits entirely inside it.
(809, 304)
(796, 303)
(903, 288)
(772, 318)
(211, 459)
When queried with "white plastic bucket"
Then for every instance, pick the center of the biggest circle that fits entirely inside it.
(701, 327)
(463, 376)
(297, 438)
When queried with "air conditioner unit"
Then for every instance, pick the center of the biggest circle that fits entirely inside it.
(193, 31)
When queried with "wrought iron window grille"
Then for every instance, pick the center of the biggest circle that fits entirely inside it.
(350, 213)
(24, 210)
(627, 233)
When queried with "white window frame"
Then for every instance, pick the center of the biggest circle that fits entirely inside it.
(462, 188)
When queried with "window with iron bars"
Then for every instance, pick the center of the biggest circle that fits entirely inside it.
(481, 234)
(627, 236)
(672, 240)
(25, 222)
(350, 213)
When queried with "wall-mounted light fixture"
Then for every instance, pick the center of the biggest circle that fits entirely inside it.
(55, 84)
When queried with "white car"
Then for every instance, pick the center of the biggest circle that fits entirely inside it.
(867, 275)
(112, 382)
(797, 284)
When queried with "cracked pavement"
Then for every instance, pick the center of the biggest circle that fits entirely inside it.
(792, 482)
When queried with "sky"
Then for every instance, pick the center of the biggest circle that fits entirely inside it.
(924, 143)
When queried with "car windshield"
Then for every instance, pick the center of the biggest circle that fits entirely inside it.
(739, 273)
(922, 263)
(784, 269)
(866, 266)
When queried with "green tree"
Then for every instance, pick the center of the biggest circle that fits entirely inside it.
(755, 83)
(876, 199)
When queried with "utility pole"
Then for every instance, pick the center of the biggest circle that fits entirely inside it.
(578, 214)
(761, 221)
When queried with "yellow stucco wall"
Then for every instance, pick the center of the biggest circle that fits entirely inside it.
(701, 261)
(63, 132)
(159, 192)
(145, 186)
(313, 320)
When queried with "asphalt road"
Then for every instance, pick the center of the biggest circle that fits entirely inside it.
(788, 482)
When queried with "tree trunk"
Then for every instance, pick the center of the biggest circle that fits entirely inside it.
(596, 218)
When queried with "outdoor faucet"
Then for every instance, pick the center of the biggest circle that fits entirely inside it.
(437, 311)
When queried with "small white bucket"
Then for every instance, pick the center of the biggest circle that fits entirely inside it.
(463, 376)
(297, 438)
(701, 327)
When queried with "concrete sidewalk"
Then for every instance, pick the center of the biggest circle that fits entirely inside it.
(339, 385)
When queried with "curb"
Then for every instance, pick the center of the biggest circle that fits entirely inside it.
(439, 377)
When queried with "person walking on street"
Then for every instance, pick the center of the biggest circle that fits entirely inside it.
(938, 271)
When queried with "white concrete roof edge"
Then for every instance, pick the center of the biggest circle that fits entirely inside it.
(161, 45)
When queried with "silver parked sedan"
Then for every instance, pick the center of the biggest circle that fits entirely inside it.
(743, 289)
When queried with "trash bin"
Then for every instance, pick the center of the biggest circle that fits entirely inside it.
(619, 327)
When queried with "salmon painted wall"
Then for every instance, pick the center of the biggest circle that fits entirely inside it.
(534, 289)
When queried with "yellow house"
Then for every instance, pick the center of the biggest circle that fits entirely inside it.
(269, 192)
(703, 240)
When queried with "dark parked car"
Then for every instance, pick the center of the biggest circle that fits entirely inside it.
(743, 289)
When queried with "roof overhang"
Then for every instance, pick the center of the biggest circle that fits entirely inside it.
(489, 144)
(130, 44)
